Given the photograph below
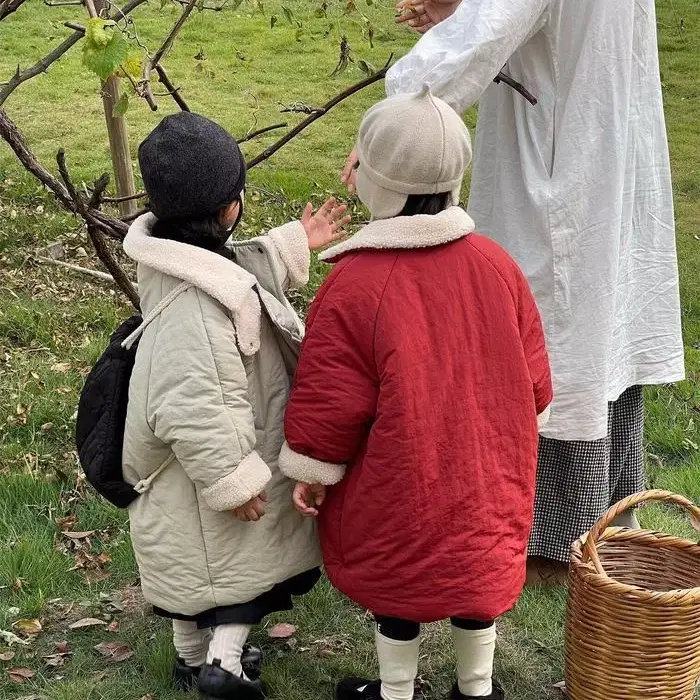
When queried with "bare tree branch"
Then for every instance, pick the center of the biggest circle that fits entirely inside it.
(318, 113)
(151, 62)
(7, 7)
(172, 90)
(259, 132)
(114, 228)
(518, 87)
(41, 66)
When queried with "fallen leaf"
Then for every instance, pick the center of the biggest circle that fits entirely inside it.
(103, 559)
(66, 524)
(55, 660)
(20, 675)
(31, 697)
(61, 367)
(561, 687)
(113, 626)
(7, 656)
(27, 628)
(11, 638)
(283, 630)
(146, 697)
(87, 622)
(79, 535)
(46, 427)
(18, 585)
(62, 647)
(99, 676)
(114, 651)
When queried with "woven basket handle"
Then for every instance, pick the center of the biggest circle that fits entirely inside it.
(589, 549)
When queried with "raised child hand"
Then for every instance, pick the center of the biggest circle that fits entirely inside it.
(253, 510)
(308, 498)
(326, 225)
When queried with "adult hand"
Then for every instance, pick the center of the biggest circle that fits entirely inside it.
(253, 510)
(326, 225)
(423, 15)
(349, 174)
(308, 498)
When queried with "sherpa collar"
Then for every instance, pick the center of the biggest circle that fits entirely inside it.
(406, 232)
(218, 277)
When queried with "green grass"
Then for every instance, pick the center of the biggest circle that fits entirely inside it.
(53, 325)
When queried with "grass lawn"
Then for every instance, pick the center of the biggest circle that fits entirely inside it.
(54, 324)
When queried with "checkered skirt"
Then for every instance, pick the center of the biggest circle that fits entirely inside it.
(577, 481)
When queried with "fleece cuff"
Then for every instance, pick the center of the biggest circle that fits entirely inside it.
(308, 470)
(247, 481)
(293, 247)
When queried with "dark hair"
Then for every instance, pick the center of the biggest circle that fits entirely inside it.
(206, 232)
(428, 204)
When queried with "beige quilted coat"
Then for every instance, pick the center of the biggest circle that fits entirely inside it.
(208, 390)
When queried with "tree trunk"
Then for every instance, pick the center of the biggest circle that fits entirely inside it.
(118, 137)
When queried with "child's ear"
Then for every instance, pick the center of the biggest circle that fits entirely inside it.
(229, 213)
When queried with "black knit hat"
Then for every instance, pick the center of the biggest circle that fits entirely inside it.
(191, 167)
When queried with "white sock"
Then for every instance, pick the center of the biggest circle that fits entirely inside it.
(227, 646)
(398, 666)
(627, 519)
(475, 650)
(190, 642)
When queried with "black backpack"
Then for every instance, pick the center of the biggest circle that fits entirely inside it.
(99, 429)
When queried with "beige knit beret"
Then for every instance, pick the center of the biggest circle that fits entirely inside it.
(410, 144)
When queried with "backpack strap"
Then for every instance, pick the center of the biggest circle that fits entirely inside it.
(145, 484)
(155, 312)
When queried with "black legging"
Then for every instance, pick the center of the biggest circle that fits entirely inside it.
(404, 630)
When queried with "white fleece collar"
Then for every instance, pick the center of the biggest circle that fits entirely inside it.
(218, 277)
(406, 232)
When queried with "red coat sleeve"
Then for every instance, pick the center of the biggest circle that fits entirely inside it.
(535, 347)
(333, 400)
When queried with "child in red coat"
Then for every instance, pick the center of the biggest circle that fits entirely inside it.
(412, 426)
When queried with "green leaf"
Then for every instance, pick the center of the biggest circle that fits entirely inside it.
(104, 59)
(133, 65)
(99, 31)
(122, 106)
(288, 14)
(164, 4)
(273, 21)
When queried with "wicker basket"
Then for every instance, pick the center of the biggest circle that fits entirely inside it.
(633, 618)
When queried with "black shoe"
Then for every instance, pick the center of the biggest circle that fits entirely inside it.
(496, 694)
(251, 660)
(358, 689)
(184, 676)
(216, 682)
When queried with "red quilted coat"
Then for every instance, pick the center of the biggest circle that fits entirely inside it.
(417, 396)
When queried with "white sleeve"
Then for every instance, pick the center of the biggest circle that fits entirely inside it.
(459, 58)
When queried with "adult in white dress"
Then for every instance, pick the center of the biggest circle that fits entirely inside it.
(578, 190)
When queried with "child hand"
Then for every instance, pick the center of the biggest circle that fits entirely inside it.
(308, 498)
(325, 226)
(253, 510)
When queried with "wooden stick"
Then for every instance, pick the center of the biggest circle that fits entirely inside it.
(97, 274)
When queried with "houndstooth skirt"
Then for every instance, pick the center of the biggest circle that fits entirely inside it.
(578, 481)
